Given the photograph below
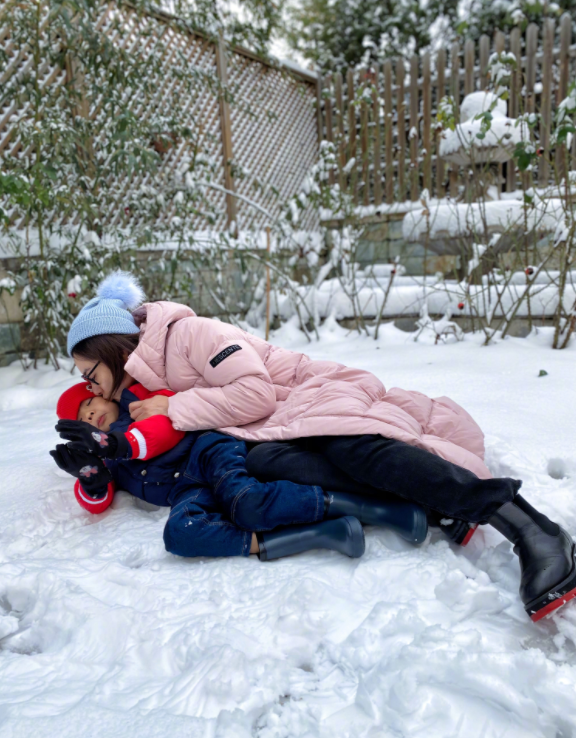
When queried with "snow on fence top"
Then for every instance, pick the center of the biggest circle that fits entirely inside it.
(271, 136)
(382, 121)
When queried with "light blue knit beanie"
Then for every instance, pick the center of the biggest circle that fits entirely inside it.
(108, 312)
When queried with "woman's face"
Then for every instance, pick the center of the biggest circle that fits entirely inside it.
(100, 377)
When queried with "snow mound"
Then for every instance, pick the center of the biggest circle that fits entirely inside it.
(479, 102)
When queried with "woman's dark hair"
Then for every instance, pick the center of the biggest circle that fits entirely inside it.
(111, 349)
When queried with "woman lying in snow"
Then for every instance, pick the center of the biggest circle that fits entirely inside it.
(427, 451)
(217, 509)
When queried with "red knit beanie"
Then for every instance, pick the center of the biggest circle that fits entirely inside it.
(70, 401)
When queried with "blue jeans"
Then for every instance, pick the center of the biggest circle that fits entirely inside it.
(217, 505)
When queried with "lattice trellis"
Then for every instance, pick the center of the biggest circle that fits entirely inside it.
(274, 132)
(277, 146)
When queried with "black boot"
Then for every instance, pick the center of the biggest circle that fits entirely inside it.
(406, 518)
(458, 531)
(345, 535)
(546, 554)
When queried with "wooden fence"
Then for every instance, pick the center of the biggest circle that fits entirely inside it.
(382, 120)
(271, 135)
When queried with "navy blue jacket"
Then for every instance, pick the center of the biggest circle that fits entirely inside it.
(208, 470)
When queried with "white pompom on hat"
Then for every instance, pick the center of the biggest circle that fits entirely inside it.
(110, 311)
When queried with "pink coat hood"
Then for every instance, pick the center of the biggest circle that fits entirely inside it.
(243, 386)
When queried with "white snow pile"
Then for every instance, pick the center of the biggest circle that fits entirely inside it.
(481, 219)
(103, 634)
(385, 290)
(469, 142)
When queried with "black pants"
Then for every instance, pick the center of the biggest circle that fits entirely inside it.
(375, 465)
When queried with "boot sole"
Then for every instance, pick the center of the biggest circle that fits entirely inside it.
(467, 538)
(420, 529)
(555, 597)
(357, 538)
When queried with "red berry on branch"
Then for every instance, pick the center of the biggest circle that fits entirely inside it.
(539, 151)
(72, 294)
(529, 271)
(127, 210)
(460, 306)
(393, 271)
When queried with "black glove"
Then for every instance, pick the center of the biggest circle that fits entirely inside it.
(86, 437)
(89, 469)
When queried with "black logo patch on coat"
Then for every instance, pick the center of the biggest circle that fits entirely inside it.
(224, 355)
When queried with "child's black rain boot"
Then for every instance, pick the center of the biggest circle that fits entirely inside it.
(406, 518)
(344, 535)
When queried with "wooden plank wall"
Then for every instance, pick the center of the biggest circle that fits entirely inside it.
(394, 140)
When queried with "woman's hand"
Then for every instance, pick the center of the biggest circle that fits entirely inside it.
(143, 409)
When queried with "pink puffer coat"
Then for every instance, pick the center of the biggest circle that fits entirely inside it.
(230, 380)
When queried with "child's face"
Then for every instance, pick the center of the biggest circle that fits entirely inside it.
(99, 412)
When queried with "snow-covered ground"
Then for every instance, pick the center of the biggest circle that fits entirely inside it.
(104, 634)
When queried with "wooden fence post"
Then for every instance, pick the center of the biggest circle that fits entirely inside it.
(413, 135)
(455, 93)
(440, 92)
(531, 50)
(401, 110)
(546, 100)
(352, 152)
(319, 120)
(564, 63)
(469, 85)
(388, 131)
(226, 128)
(377, 140)
(365, 149)
(341, 146)
(514, 104)
(325, 84)
(427, 123)
(484, 57)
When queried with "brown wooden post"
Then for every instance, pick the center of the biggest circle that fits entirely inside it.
(328, 115)
(499, 47)
(388, 131)
(365, 148)
(427, 123)
(326, 85)
(413, 135)
(469, 67)
(440, 91)
(546, 101)
(352, 152)
(531, 50)
(268, 249)
(319, 117)
(455, 92)
(226, 128)
(401, 111)
(341, 145)
(564, 63)
(377, 140)
(514, 102)
(484, 57)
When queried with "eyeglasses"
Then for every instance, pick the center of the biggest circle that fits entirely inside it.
(87, 377)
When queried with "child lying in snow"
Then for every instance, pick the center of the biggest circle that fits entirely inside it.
(217, 509)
